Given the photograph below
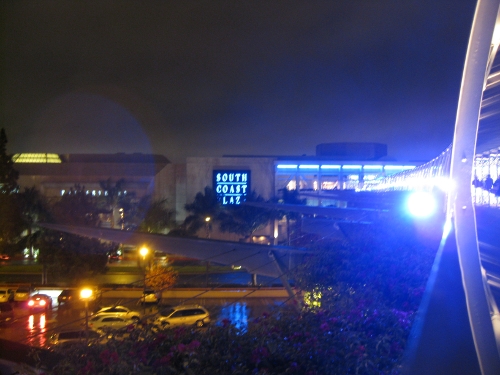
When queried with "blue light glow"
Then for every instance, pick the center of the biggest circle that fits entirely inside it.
(326, 166)
(392, 167)
(306, 166)
(351, 167)
(372, 167)
(421, 204)
(286, 166)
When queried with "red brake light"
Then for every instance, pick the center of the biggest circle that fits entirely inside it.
(42, 302)
(31, 303)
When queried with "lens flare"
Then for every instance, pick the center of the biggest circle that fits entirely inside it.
(421, 204)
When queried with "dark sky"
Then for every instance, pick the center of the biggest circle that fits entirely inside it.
(208, 78)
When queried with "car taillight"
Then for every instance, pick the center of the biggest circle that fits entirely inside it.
(42, 302)
(31, 303)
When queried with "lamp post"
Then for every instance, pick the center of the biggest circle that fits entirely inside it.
(144, 252)
(207, 225)
(86, 294)
(207, 228)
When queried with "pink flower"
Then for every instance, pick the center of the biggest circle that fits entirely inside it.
(108, 357)
(258, 354)
(195, 344)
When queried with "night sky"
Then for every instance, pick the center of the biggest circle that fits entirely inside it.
(209, 78)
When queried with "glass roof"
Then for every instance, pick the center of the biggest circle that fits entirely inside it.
(36, 158)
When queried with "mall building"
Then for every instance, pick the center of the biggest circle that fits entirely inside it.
(336, 166)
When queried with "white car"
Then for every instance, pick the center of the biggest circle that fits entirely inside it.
(195, 315)
(150, 296)
(119, 311)
(105, 323)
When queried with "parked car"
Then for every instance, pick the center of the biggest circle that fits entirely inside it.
(150, 296)
(182, 315)
(114, 257)
(105, 323)
(6, 313)
(66, 338)
(120, 311)
(40, 301)
(4, 257)
(6, 294)
(22, 294)
(68, 296)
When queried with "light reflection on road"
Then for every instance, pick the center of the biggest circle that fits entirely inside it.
(237, 313)
(36, 330)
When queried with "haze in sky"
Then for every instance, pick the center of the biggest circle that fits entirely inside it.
(208, 78)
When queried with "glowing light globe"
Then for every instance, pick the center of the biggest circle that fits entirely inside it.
(421, 204)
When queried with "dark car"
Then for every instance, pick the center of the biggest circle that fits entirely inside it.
(68, 296)
(39, 302)
(66, 338)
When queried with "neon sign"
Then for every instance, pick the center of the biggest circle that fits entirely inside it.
(231, 186)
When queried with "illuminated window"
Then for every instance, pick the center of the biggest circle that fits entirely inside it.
(370, 177)
(63, 191)
(329, 185)
(36, 158)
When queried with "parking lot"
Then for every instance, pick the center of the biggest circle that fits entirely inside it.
(35, 328)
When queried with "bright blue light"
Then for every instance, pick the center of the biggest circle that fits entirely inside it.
(286, 166)
(351, 167)
(372, 167)
(325, 166)
(421, 204)
(305, 166)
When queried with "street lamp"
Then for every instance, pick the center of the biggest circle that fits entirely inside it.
(207, 226)
(86, 294)
(144, 252)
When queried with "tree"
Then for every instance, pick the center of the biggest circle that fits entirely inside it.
(205, 206)
(113, 198)
(155, 216)
(12, 224)
(34, 207)
(8, 175)
(71, 256)
(159, 277)
(245, 220)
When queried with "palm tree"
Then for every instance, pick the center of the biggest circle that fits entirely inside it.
(245, 220)
(204, 210)
(155, 216)
(34, 208)
(113, 197)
